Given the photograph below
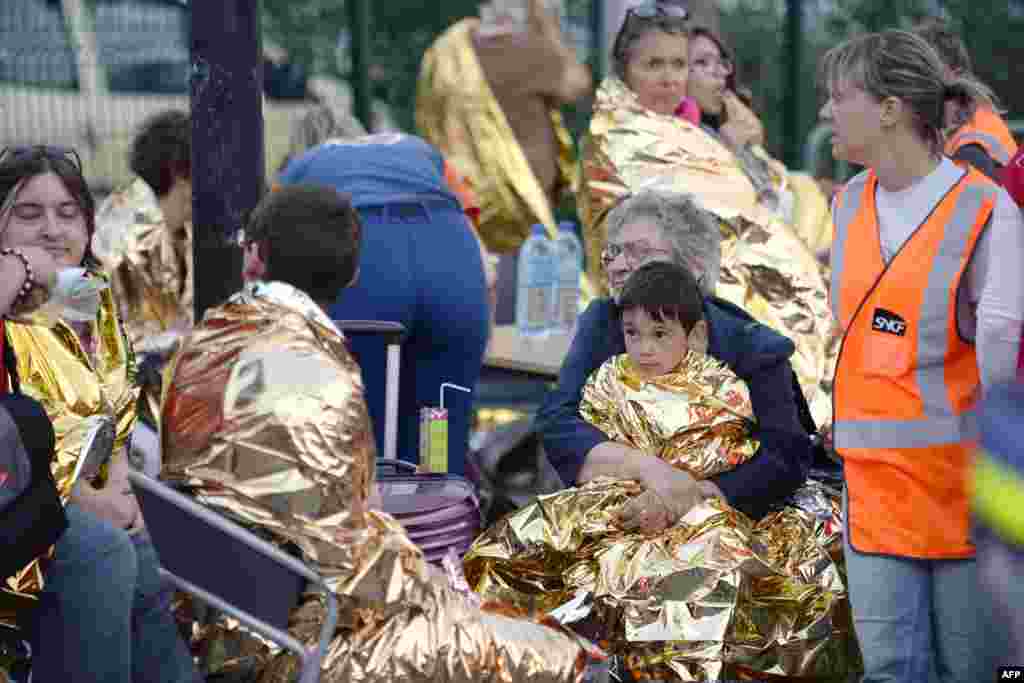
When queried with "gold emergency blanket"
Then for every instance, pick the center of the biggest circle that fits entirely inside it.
(796, 196)
(697, 418)
(812, 213)
(766, 269)
(264, 412)
(716, 596)
(456, 110)
(56, 371)
(150, 268)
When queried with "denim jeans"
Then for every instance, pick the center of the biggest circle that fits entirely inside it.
(103, 614)
(919, 620)
(420, 266)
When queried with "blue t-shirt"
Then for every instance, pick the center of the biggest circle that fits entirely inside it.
(375, 169)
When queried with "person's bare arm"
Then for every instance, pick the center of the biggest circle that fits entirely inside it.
(669, 492)
(13, 275)
(610, 459)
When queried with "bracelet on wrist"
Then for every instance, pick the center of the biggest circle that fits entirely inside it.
(30, 281)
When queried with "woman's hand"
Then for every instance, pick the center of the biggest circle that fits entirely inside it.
(670, 494)
(741, 127)
(44, 267)
(44, 274)
(111, 504)
(646, 513)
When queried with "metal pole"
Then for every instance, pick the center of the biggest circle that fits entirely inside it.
(227, 140)
(794, 43)
(598, 41)
(359, 27)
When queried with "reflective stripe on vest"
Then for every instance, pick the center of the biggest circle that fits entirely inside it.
(989, 143)
(846, 206)
(987, 129)
(931, 431)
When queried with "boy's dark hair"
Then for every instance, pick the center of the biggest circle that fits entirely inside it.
(947, 42)
(308, 237)
(664, 291)
(162, 150)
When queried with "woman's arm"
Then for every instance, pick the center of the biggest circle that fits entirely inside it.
(780, 465)
(13, 276)
(568, 438)
(996, 284)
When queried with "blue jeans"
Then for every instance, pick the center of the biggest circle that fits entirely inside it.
(103, 615)
(918, 620)
(420, 266)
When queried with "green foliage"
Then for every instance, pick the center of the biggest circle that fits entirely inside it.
(991, 30)
(314, 34)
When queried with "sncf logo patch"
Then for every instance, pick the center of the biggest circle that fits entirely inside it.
(888, 322)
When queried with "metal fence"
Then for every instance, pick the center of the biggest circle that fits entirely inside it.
(86, 73)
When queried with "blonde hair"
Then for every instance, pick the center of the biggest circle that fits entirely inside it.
(904, 65)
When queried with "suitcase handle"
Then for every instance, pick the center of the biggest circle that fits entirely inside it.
(397, 464)
(393, 332)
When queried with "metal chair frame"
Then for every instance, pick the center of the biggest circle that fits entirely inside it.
(311, 657)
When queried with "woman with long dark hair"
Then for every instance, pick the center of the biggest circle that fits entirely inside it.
(100, 613)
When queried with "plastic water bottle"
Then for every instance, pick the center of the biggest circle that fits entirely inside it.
(535, 284)
(570, 267)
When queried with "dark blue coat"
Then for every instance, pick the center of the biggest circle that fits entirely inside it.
(756, 353)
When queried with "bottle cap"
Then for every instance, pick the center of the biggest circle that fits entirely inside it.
(567, 226)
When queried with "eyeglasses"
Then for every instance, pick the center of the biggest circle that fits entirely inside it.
(32, 152)
(653, 8)
(636, 253)
(711, 63)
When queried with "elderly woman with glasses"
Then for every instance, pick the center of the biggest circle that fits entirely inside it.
(739, 544)
(100, 614)
(644, 133)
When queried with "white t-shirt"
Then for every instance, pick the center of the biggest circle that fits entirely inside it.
(991, 306)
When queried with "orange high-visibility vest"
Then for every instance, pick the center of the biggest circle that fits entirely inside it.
(907, 381)
(985, 128)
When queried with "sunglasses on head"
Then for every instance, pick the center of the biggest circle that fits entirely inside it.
(652, 8)
(33, 152)
(647, 10)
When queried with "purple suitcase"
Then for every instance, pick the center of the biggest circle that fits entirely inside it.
(440, 512)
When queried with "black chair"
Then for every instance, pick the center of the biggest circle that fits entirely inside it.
(229, 568)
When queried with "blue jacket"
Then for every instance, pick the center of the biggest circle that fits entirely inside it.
(757, 354)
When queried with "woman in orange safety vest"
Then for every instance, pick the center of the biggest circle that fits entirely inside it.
(926, 286)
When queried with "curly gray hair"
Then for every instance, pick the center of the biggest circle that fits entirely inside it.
(693, 232)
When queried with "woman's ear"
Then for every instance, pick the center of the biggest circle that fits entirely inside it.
(698, 339)
(890, 112)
